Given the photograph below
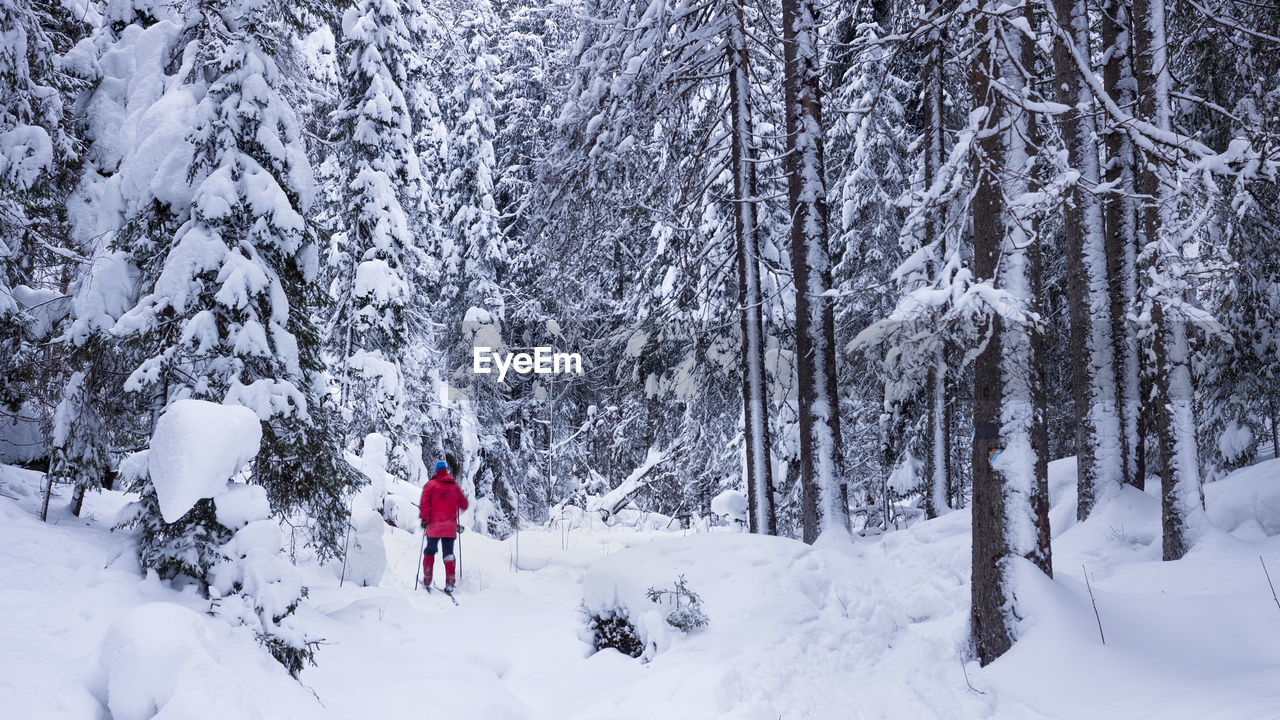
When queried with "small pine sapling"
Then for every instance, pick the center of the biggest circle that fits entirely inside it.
(687, 615)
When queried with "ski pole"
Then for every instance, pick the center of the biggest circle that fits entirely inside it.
(418, 572)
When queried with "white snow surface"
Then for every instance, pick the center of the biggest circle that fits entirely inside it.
(876, 628)
(196, 448)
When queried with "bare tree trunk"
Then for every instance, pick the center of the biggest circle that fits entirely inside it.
(1003, 450)
(1180, 492)
(939, 461)
(1097, 428)
(1042, 555)
(824, 500)
(1122, 232)
(754, 398)
(1275, 434)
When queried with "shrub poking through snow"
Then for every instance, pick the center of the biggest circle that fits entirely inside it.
(687, 615)
(615, 631)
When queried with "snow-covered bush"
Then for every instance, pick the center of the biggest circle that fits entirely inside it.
(614, 631)
(198, 525)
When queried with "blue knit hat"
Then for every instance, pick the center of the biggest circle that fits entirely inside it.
(441, 465)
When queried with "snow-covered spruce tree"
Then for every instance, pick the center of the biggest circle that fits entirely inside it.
(225, 314)
(38, 155)
(1238, 406)
(868, 150)
(825, 494)
(373, 145)
(474, 258)
(1238, 393)
(474, 249)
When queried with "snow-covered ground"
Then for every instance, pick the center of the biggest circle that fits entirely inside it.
(876, 629)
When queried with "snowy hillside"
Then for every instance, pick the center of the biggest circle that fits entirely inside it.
(877, 629)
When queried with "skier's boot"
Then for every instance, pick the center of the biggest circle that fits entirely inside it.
(428, 564)
(449, 568)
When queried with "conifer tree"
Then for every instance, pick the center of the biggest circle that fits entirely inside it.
(374, 139)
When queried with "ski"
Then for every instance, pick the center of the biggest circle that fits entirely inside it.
(446, 593)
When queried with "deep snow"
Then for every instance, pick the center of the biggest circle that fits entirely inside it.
(872, 630)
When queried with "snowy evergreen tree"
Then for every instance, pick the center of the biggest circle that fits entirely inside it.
(374, 145)
(227, 268)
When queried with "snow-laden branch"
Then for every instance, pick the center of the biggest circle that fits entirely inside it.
(617, 498)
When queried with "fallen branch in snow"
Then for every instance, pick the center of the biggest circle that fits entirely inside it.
(617, 498)
(1095, 603)
(1273, 587)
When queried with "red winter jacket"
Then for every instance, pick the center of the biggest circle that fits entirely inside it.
(441, 502)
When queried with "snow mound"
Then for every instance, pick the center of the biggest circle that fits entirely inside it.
(1248, 498)
(730, 504)
(196, 448)
(156, 663)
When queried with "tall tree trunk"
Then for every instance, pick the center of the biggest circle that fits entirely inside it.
(1042, 554)
(1121, 221)
(754, 398)
(824, 501)
(1181, 497)
(1003, 452)
(1099, 456)
(939, 461)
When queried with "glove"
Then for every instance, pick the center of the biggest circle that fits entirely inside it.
(460, 528)
(423, 523)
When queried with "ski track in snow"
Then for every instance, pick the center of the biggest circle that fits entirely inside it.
(872, 630)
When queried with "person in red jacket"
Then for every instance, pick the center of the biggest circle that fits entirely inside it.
(441, 502)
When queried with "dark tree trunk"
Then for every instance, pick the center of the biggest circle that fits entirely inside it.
(1121, 232)
(1003, 461)
(1042, 555)
(758, 468)
(991, 634)
(824, 497)
(1097, 432)
(1180, 492)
